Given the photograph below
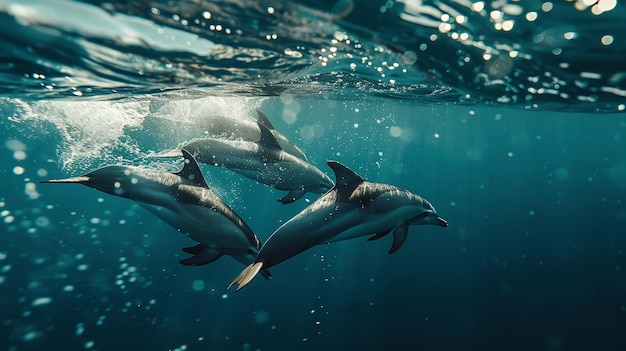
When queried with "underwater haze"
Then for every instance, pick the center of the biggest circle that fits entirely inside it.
(508, 116)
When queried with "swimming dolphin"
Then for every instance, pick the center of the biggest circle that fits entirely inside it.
(264, 161)
(352, 208)
(246, 130)
(184, 201)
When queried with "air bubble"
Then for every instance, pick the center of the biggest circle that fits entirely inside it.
(41, 301)
(19, 155)
(198, 285)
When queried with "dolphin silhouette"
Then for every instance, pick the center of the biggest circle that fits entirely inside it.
(264, 161)
(352, 208)
(247, 130)
(184, 201)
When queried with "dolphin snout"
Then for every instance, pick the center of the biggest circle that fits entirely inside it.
(440, 222)
(80, 179)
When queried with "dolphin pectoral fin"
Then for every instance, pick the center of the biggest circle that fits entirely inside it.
(399, 236)
(194, 250)
(202, 255)
(292, 196)
(246, 275)
(378, 235)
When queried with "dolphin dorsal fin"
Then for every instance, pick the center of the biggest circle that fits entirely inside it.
(267, 138)
(344, 175)
(262, 119)
(191, 171)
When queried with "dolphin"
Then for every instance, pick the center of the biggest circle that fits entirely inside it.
(184, 201)
(264, 161)
(247, 130)
(353, 207)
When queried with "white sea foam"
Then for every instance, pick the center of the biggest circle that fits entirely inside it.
(97, 133)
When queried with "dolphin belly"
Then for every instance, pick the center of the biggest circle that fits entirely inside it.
(289, 176)
(328, 224)
(367, 223)
(203, 225)
(299, 234)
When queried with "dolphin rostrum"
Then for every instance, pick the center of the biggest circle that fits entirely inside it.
(264, 161)
(352, 208)
(184, 201)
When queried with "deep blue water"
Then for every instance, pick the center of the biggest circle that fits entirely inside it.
(517, 137)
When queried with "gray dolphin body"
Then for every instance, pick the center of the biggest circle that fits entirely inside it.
(353, 208)
(184, 201)
(247, 130)
(264, 161)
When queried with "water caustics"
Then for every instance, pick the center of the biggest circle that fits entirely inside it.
(564, 55)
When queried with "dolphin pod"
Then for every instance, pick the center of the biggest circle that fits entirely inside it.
(353, 207)
(350, 208)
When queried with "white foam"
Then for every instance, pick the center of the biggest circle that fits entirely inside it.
(96, 133)
(193, 111)
(88, 127)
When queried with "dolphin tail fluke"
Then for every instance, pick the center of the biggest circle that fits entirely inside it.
(378, 235)
(81, 179)
(246, 275)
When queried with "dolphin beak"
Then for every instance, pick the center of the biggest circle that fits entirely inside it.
(81, 179)
(441, 222)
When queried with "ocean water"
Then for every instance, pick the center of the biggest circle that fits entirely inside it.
(508, 116)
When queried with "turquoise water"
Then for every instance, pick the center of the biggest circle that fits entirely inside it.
(524, 156)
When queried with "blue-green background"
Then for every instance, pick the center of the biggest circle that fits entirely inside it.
(533, 258)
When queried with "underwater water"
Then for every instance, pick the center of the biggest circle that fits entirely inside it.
(507, 116)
